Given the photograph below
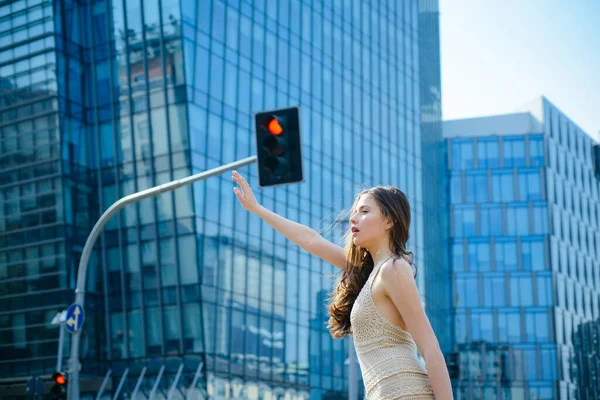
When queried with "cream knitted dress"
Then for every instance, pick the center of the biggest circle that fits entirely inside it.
(387, 353)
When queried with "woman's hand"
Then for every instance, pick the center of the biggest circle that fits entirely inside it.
(245, 195)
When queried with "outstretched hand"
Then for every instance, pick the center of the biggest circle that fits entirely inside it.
(244, 193)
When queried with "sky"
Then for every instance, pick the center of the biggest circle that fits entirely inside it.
(497, 56)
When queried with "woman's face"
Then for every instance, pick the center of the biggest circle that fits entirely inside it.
(367, 223)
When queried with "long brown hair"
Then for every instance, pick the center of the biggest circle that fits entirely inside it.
(394, 205)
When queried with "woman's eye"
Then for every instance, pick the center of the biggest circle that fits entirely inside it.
(364, 211)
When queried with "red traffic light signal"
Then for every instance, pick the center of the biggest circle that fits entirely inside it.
(278, 146)
(274, 126)
(59, 389)
(60, 379)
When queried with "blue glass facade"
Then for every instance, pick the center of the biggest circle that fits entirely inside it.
(574, 197)
(103, 99)
(47, 193)
(521, 289)
(434, 291)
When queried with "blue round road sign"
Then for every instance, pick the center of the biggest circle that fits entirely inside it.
(75, 318)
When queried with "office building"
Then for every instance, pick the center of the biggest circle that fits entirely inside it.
(434, 291)
(525, 234)
(100, 100)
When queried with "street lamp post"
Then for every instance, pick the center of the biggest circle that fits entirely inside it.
(74, 366)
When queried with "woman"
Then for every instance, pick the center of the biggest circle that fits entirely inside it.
(376, 299)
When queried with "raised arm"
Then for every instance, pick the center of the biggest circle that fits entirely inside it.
(303, 236)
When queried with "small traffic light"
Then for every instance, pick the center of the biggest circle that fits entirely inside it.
(59, 388)
(278, 146)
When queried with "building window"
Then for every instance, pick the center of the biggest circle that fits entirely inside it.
(529, 185)
(561, 290)
(579, 306)
(536, 150)
(530, 356)
(490, 218)
(536, 326)
(467, 291)
(136, 348)
(588, 273)
(479, 255)
(505, 254)
(571, 296)
(559, 324)
(172, 329)
(540, 219)
(462, 154)
(514, 152)
(192, 327)
(460, 326)
(532, 254)
(482, 326)
(494, 290)
(487, 153)
(455, 188)
(509, 325)
(548, 359)
(458, 256)
(476, 187)
(153, 334)
(117, 336)
(517, 219)
(562, 163)
(464, 221)
(520, 290)
(503, 189)
(550, 186)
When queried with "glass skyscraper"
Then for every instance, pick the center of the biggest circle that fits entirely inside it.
(102, 99)
(525, 234)
(435, 291)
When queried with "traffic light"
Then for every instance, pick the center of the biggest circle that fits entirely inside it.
(59, 388)
(278, 146)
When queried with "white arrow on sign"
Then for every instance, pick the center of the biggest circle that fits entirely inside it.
(74, 321)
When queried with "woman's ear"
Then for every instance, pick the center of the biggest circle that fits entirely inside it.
(389, 224)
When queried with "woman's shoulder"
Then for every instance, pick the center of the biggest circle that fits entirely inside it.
(397, 268)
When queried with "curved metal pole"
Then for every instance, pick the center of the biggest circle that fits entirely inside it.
(91, 240)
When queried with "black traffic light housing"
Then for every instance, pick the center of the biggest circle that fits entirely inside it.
(279, 147)
(59, 386)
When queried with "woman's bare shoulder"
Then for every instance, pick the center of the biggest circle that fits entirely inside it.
(397, 270)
